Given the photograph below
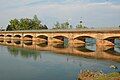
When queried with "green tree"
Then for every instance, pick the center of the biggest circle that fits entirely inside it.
(45, 27)
(9, 28)
(36, 23)
(56, 25)
(14, 24)
(80, 26)
(26, 24)
(64, 25)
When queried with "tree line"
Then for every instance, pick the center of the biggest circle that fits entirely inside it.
(36, 24)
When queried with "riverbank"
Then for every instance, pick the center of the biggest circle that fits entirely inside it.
(90, 75)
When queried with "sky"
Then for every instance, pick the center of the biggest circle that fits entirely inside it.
(93, 13)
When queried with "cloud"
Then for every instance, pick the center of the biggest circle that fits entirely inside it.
(94, 14)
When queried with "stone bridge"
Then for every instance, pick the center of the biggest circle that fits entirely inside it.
(102, 37)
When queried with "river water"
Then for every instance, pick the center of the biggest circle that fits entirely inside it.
(37, 61)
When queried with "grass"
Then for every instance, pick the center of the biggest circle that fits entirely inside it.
(89, 75)
(110, 76)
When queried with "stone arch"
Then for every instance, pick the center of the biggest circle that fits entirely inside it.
(60, 38)
(86, 35)
(1, 35)
(8, 35)
(27, 37)
(82, 39)
(112, 39)
(18, 36)
(42, 38)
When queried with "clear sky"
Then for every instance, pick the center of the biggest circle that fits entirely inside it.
(94, 13)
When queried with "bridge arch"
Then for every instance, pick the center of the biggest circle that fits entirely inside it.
(8, 35)
(27, 37)
(42, 38)
(112, 39)
(18, 36)
(61, 38)
(84, 39)
(1, 35)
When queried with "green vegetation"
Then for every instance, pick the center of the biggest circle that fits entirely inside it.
(89, 75)
(36, 24)
(65, 25)
(80, 25)
(26, 24)
(110, 76)
(25, 53)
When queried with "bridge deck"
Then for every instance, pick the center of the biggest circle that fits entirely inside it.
(65, 31)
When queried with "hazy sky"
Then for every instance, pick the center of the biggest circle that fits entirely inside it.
(94, 13)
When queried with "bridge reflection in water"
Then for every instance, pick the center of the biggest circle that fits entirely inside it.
(85, 50)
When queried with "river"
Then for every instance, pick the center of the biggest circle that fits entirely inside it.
(37, 61)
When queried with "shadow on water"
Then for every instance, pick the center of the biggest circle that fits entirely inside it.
(9, 41)
(117, 42)
(60, 45)
(84, 48)
(1, 40)
(45, 44)
(28, 43)
(17, 42)
(89, 46)
(89, 49)
(114, 50)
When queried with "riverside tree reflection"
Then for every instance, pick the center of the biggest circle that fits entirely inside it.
(25, 53)
(31, 49)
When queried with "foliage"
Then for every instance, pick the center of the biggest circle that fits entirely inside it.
(64, 25)
(26, 24)
(80, 25)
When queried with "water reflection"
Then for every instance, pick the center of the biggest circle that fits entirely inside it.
(114, 50)
(28, 43)
(42, 44)
(25, 53)
(85, 50)
(60, 45)
(17, 42)
(117, 42)
(9, 42)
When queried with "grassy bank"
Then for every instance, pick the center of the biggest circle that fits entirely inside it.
(89, 75)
